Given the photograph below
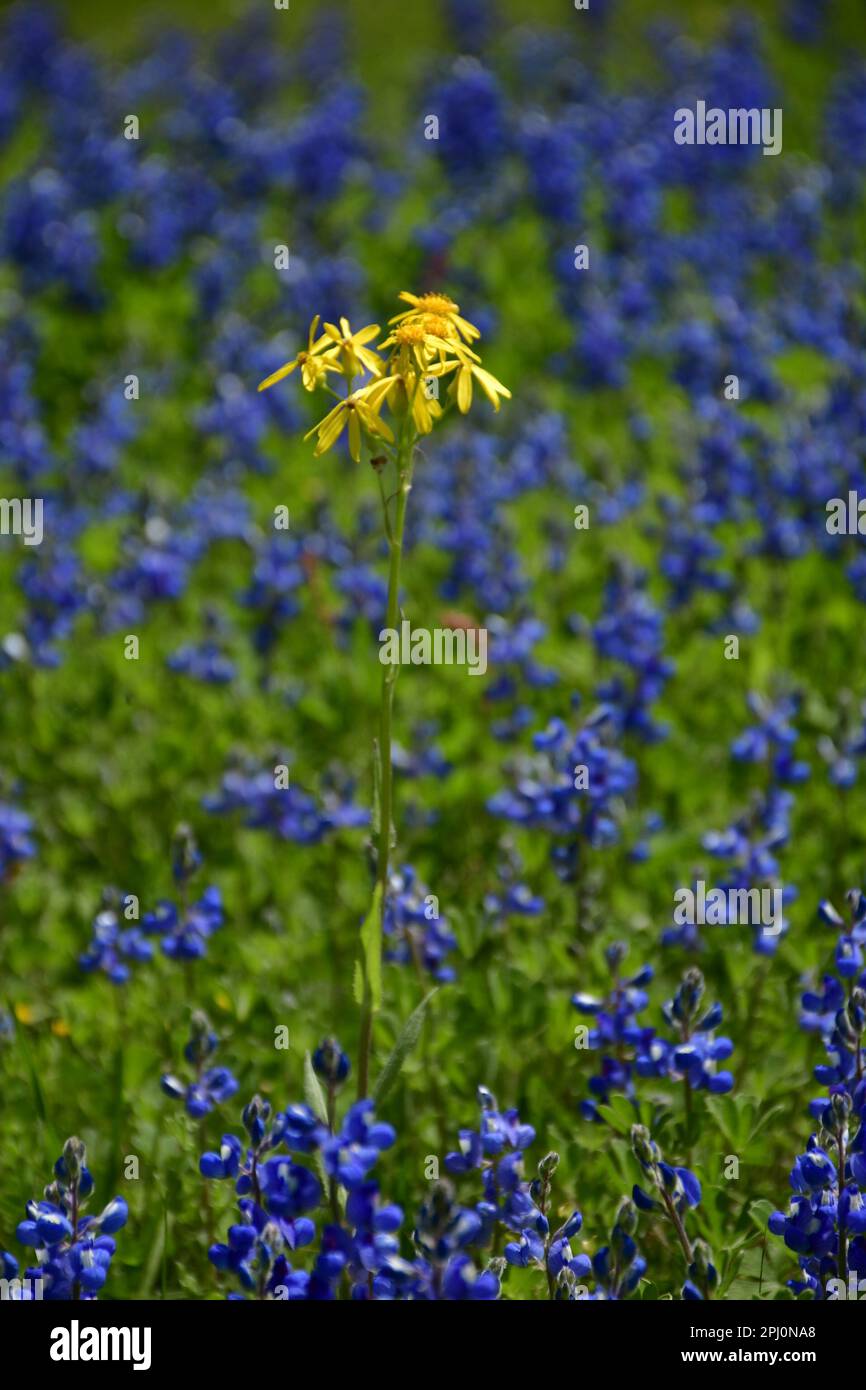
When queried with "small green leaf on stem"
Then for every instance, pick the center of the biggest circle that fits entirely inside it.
(313, 1093)
(402, 1047)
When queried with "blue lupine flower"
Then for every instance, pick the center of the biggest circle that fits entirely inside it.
(204, 661)
(838, 1011)
(703, 1275)
(73, 1251)
(185, 932)
(618, 1267)
(750, 846)
(210, 1086)
(497, 1134)
(572, 788)
(114, 948)
(634, 1049)
(772, 739)
(461, 1280)
(555, 164)
(274, 1194)
(694, 1055)
(287, 812)
(825, 1223)
(16, 839)
(553, 1252)
(413, 928)
(472, 127)
(331, 1063)
(253, 1252)
(616, 1030)
(350, 1155)
(676, 1189)
(443, 1231)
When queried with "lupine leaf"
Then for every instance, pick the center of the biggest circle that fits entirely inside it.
(401, 1049)
(620, 1114)
(313, 1094)
(760, 1212)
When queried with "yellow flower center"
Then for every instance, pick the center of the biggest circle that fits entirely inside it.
(436, 304)
(437, 326)
(411, 334)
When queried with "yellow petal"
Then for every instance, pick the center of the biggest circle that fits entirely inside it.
(440, 368)
(278, 375)
(464, 390)
(492, 388)
(370, 360)
(468, 329)
(325, 421)
(374, 423)
(330, 430)
(310, 374)
(421, 412)
(378, 392)
(355, 435)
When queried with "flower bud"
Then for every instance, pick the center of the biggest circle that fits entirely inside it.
(689, 993)
(548, 1165)
(74, 1155)
(703, 1257)
(185, 856)
(614, 955)
(844, 1026)
(645, 1150)
(840, 1108)
(702, 1270)
(626, 1217)
(255, 1116)
(330, 1062)
(272, 1237)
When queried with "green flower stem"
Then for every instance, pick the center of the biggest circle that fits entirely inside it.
(404, 463)
(676, 1221)
(843, 1238)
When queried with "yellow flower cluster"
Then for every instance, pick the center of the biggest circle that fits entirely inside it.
(427, 341)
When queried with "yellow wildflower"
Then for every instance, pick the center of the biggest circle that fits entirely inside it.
(354, 411)
(441, 307)
(416, 345)
(314, 362)
(407, 390)
(354, 354)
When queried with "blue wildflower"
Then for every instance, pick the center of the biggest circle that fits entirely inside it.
(210, 1086)
(73, 1251)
